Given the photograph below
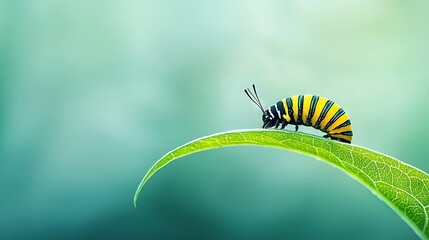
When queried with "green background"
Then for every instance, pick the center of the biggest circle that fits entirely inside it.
(92, 93)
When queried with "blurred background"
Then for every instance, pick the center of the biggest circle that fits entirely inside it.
(92, 93)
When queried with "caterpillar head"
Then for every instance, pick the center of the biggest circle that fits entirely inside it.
(269, 121)
(267, 118)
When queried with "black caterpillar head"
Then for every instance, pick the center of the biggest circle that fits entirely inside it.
(268, 119)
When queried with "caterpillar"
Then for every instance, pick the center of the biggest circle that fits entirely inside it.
(308, 110)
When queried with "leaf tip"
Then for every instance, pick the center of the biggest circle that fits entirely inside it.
(136, 196)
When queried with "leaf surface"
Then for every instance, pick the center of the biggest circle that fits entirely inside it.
(403, 187)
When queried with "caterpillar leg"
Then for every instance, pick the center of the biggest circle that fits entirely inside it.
(277, 123)
(327, 136)
(284, 124)
(296, 127)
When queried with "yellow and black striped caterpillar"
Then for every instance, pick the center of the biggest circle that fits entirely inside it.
(308, 110)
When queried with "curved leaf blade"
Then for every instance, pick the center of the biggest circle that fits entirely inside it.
(404, 188)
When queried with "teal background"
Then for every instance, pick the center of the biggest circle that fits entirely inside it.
(92, 93)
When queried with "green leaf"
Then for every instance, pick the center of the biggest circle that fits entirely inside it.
(404, 188)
